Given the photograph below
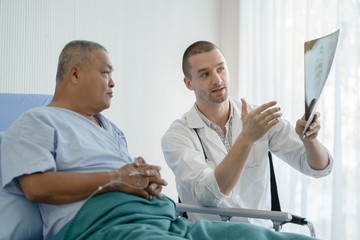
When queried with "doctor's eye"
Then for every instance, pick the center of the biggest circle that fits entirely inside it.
(220, 69)
(204, 75)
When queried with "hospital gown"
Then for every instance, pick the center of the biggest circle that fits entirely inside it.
(56, 139)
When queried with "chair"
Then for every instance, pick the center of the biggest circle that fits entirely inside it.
(21, 217)
(15, 104)
(278, 217)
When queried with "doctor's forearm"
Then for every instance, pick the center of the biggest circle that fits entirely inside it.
(228, 172)
(317, 156)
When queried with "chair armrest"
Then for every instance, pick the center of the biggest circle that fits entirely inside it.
(235, 212)
(278, 218)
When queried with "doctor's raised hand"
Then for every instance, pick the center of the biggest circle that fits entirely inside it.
(259, 121)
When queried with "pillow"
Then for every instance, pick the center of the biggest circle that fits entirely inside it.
(19, 218)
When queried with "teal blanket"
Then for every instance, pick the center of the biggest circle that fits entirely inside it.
(117, 215)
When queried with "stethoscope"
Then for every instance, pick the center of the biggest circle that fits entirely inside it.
(210, 163)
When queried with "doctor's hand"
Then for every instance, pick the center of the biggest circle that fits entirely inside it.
(259, 121)
(312, 131)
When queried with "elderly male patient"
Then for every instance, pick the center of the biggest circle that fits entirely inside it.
(62, 153)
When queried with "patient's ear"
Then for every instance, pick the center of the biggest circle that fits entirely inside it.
(74, 74)
(187, 82)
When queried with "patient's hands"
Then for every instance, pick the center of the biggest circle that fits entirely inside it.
(139, 178)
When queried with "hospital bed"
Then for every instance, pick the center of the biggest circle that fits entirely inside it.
(20, 219)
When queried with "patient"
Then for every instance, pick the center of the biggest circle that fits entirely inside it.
(63, 153)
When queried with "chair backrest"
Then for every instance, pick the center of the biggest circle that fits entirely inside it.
(12, 105)
(22, 218)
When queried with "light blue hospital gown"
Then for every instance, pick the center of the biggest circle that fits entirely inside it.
(56, 139)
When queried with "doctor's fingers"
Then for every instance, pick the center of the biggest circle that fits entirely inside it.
(263, 107)
(312, 131)
(315, 124)
(244, 110)
(301, 123)
(269, 115)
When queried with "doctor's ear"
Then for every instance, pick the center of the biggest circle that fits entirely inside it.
(187, 82)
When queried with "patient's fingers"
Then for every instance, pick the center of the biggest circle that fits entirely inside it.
(152, 173)
(140, 160)
(158, 180)
(143, 167)
(155, 189)
(143, 193)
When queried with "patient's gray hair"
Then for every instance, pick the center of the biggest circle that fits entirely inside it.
(194, 49)
(75, 53)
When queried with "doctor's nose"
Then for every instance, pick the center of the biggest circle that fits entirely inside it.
(216, 79)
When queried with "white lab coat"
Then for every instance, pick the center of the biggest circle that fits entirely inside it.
(195, 180)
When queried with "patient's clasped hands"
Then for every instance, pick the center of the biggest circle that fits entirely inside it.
(138, 178)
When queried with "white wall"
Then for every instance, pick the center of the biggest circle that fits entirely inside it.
(145, 39)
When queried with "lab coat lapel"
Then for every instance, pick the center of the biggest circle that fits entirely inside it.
(207, 135)
(214, 139)
(236, 125)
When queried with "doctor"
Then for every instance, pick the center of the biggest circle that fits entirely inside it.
(218, 150)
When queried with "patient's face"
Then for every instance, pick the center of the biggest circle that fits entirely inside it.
(209, 77)
(96, 82)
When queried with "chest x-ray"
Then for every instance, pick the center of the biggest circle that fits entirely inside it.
(318, 56)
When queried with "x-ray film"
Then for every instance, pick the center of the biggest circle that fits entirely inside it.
(318, 56)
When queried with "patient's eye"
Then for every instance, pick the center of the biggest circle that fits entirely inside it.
(220, 69)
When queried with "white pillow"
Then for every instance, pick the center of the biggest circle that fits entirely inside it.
(19, 218)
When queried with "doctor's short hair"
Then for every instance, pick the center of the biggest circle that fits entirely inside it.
(76, 53)
(194, 49)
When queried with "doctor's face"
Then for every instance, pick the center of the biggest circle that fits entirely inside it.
(209, 77)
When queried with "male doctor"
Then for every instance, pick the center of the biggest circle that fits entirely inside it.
(218, 150)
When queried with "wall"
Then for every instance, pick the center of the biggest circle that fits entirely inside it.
(145, 39)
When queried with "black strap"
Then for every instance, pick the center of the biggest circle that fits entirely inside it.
(202, 146)
(275, 203)
(183, 214)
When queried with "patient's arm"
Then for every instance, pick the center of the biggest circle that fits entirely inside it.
(67, 187)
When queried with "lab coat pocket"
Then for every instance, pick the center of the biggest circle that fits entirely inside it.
(258, 154)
